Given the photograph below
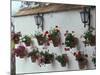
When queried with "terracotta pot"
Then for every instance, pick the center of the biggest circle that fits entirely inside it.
(93, 40)
(63, 64)
(74, 42)
(41, 40)
(83, 64)
(16, 40)
(82, 61)
(33, 58)
(28, 43)
(21, 56)
(48, 61)
(55, 40)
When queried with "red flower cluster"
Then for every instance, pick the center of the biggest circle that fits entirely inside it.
(20, 51)
(66, 49)
(77, 54)
(46, 33)
(16, 37)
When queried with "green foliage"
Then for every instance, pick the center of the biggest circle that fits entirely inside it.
(54, 33)
(48, 58)
(88, 35)
(70, 40)
(89, 38)
(48, 55)
(38, 33)
(62, 59)
(26, 38)
(34, 52)
(94, 60)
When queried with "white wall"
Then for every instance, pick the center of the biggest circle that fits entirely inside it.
(70, 21)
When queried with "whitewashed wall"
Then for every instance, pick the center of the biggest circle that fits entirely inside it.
(69, 20)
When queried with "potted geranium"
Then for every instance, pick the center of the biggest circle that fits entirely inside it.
(40, 38)
(33, 55)
(94, 60)
(82, 59)
(90, 39)
(48, 57)
(20, 51)
(63, 59)
(54, 35)
(16, 37)
(70, 40)
(27, 40)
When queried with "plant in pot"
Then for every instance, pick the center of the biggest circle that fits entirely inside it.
(15, 37)
(94, 60)
(48, 58)
(82, 59)
(40, 38)
(90, 39)
(63, 59)
(54, 35)
(27, 40)
(33, 55)
(70, 40)
(20, 51)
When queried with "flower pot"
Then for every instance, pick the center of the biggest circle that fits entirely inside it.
(28, 43)
(82, 64)
(82, 61)
(93, 40)
(55, 40)
(74, 42)
(16, 40)
(33, 58)
(90, 41)
(63, 64)
(21, 56)
(41, 40)
(47, 62)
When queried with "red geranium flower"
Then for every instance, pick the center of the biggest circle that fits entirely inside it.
(46, 32)
(75, 54)
(49, 36)
(66, 49)
(48, 43)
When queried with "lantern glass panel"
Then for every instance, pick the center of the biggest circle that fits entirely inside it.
(84, 16)
(38, 19)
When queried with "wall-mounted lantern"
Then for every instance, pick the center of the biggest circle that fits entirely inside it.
(39, 20)
(85, 16)
(12, 27)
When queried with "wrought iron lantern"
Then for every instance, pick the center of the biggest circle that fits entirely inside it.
(12, 27)
(85, 16)
(39, 20)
